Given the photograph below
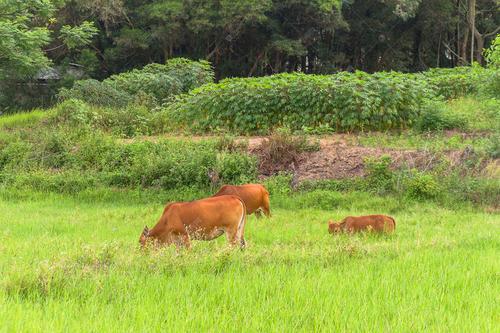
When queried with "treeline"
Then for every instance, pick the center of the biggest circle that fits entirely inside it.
(99, 38)
(259, 37)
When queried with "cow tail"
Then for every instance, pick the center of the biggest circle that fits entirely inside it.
(243, 221)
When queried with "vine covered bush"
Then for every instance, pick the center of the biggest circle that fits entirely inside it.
(153, 82)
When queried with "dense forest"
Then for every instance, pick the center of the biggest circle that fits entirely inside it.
(46, 44)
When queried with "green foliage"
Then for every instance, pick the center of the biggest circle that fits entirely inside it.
(344, 102)
(128, 121)
(279, 184)
(493, 146)
(21, 43)
(22, 119)
(229, 167)
(436, 117)
(78, 36)
(96, 93)
(379, 176)
(422, 186)
(453, 82)
(155, 83)
(166, 164)
(492, 54)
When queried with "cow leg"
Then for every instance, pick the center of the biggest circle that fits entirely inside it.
(258, 213)
(231, 236)
(266, 206)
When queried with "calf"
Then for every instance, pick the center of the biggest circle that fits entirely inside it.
(255, 197)
(204, 219)
(351, 224)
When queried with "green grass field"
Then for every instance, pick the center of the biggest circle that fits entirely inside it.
(72, 264)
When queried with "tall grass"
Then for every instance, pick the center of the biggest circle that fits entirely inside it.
(73, 264)
(22, 119)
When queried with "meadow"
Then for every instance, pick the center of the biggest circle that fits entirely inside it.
(72, 263)
(79, 181)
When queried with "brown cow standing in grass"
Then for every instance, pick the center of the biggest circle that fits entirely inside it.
(255, 196)
(351, 224)
(204, 219)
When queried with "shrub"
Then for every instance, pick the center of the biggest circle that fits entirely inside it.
(128, 121)
(493, 146)
(151, 84)
(379, 177)
(74, 112)
(236, 168)
(279, 184)
(282, 149)
(343, 102)
(435, 116)
(229, 143)
(452, 82)
(319, 199)
(94, 92)
(422, 186)
(13, 155)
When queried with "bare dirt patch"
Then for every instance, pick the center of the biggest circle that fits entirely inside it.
(340, 157)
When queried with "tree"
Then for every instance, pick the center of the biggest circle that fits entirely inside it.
(26, 27)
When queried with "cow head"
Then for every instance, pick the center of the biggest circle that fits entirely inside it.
(334, 228)
(144, 236)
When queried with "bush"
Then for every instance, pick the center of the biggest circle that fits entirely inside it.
(96, 93)
(379, 177)
(153, 83)
(435, 116)
(128, 121)
(281, 150)
(75, 113)
(422, 186)
(236, 168)
(452, 82)
(493, 146)
(279, 184)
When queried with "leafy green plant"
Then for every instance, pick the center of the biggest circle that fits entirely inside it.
(153, 83)
(96, 93)
(422, 186)
(341, 102)
(435, 116)
(379, 177)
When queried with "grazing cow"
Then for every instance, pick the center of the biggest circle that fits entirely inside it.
(204, 219)
(351, 224)
(255, 196)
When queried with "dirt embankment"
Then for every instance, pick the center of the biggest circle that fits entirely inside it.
(339, 157)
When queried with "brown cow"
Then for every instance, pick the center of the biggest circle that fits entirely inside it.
(204, 219)
(255, 196)
(351, 224)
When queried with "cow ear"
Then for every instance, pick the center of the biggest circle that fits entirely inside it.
(145, 232)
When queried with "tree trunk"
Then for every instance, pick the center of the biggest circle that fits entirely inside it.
(472, 26)
(480, 46)
(463, 49)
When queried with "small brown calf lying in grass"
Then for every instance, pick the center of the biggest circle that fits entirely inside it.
(351, 224)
